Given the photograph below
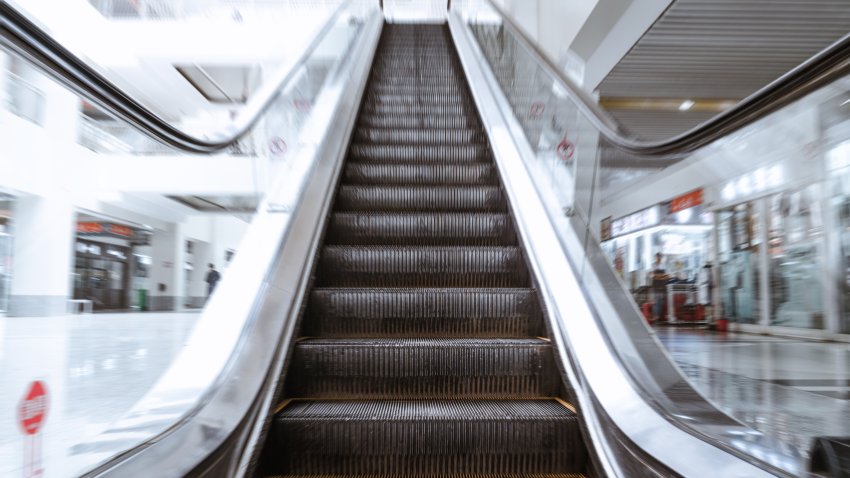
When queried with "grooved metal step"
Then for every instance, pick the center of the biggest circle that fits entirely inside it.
(414, 109)
(430, 312)
(419, 136)
(416, 98)
(421, 229)
(450, 475)
(428, 437)
(411, 153)
(433, 266)
(421, 174)
(421, 198)
(417, 121)
(423, 368)
(441, 90)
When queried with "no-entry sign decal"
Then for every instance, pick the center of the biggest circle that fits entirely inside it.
(32, 411)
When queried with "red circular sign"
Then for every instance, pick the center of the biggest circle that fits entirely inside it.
(33, 408)
(565, 149)
(536, 109)
(277, 146)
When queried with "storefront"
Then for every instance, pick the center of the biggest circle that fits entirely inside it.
(772, 249)
(678, 229)
(101, 274)
(102, 264)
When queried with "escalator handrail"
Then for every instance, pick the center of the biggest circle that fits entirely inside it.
(21, 35)
(820, 70)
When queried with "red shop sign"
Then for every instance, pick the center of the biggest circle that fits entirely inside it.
(89, 227)
(686, 201)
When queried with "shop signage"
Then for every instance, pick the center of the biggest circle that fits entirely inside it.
(686, 201)
(634, 222)
(89, 228)
(605, 229)
(120, 230)
(755, 182)
(104, 228)
(107, 251)
(86, 248)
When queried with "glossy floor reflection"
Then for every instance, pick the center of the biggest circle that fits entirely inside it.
(95, 367)
(790, 389)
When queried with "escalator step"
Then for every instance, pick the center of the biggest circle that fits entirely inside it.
(422, 368)
(420, 349)
(420, 174)
(435, 90)
(419, 98)
(434, 266)
(418, 229)
(452, 475)
(421, 198)
(414, 109)
(428, 437)
(420, 136)
(423, 313)
(416, 121)
(411, 153)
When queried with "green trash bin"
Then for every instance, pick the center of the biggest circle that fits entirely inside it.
(143, 299)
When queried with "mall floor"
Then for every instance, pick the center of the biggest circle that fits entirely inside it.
(95, 368)
(789, 389)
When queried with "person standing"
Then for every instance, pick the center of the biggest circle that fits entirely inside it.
(212, 279)
(659, 286)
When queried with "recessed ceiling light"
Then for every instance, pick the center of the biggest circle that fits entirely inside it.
(686, 105)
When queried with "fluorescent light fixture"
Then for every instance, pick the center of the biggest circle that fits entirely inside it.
(686, 105)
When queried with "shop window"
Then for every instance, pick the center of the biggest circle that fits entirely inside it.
(795, 249)
(738, 257)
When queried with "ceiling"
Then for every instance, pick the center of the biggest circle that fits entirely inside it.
(725, 48)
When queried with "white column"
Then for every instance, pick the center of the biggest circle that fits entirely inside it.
(831, 261)
(764, 261)
(43, 223)
(43, 237)
(167, 278)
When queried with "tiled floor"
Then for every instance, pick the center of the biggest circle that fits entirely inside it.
(792, 390)
(95, 367)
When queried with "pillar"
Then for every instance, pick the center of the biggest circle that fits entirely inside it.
(167, 278)
(43, 253)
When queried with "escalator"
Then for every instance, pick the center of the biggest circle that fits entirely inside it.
(421, 293)
(422, 347)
